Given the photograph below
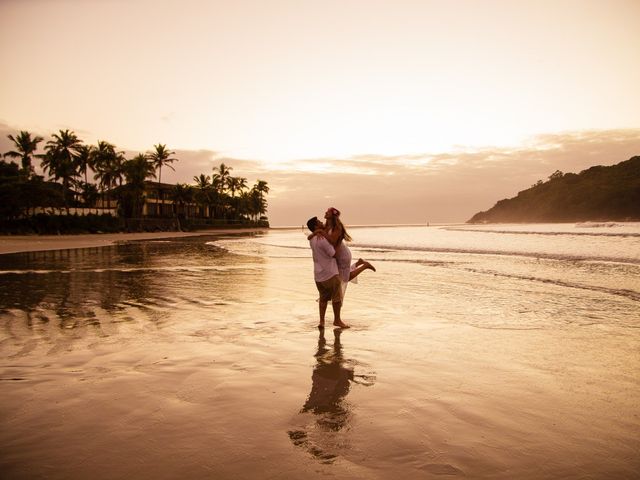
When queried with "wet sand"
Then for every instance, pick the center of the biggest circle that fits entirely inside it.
(38, 243)
(166, 360)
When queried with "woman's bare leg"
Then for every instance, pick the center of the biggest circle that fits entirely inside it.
(363, 265)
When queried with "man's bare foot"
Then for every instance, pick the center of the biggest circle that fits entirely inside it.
(341, 325)
(321, 325)
(369, 266)
(359, 262)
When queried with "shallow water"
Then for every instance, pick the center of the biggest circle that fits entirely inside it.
(474, 354)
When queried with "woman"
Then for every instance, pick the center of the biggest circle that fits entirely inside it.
(336, 233)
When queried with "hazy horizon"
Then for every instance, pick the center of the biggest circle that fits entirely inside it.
(394, 112)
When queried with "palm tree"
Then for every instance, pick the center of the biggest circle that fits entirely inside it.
(244, 205)
(61, 159)
(216, 183)
(237, 184)
(224, 173)
(182, 194)
(118, 168)
(254, 204)
(136, 171)
(262, 188)
(204, 194)
(241, 184)
(89, 194)
(202, 181)
(25, 148)
(107, 163)
(84, 160)
(161, 156)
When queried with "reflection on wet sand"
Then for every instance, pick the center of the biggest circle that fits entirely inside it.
(331, 379)
(112, 355)
(97, 288)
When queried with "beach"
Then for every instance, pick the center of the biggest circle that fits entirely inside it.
(191, 356)
(38, 243)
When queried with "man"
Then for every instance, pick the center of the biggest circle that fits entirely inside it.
(325, 273)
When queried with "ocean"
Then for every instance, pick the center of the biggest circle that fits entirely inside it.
(595, 267)
(484, 351)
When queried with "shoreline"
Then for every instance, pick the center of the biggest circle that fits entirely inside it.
(38, 243)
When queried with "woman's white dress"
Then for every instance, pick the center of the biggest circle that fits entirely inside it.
(343, 259)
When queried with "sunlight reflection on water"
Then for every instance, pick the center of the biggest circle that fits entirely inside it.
(458, 363)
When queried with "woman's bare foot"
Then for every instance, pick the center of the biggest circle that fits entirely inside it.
(369, 266)
(341, 325)
(360, 262)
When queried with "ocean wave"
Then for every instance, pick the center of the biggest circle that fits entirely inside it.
(543, 255)
(630, 294)
(551, 234)
(387, 251)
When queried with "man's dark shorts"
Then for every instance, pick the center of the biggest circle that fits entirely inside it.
(330, 290)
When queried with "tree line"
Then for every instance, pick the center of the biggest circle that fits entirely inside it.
(596, 194)
(79, 175)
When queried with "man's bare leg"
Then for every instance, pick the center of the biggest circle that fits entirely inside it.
(322, 307)
(337, 321)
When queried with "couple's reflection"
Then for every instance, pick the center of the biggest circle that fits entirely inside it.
(332, 378)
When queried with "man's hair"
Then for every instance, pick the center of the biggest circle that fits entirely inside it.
(311, 223)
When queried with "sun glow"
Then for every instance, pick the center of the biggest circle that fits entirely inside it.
(288, 80)
(414, 108)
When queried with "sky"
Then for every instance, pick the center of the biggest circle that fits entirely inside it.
(401, 111)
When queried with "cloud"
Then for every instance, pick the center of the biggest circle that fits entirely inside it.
(447, 187)
(412, 188)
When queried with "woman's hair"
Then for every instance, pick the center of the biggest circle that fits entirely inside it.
(334, 222)
(345, 235)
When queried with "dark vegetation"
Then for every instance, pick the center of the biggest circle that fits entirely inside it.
(94, 188)
(596, 194)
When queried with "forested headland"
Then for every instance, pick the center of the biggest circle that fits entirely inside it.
(597, 194)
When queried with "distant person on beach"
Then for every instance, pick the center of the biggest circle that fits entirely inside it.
(325, 273)
(336, 233)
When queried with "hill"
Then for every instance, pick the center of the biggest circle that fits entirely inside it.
(596, 194)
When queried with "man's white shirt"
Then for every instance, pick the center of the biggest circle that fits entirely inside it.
(324, 265)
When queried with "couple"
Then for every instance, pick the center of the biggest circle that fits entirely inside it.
(332, 269)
